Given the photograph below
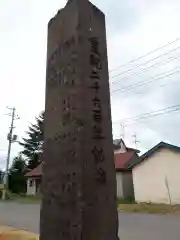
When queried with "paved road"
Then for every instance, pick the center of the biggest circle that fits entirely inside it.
(131, 226)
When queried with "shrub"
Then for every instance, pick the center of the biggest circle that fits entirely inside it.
(7, 195)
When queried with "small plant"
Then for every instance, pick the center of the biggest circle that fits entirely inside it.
(129, 200)
(7, 194)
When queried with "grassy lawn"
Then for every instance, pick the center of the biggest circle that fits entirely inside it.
(23, 199)
(131, 206)
(27, 199)
(20, 198)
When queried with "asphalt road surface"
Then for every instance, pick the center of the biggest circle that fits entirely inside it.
(132, 226)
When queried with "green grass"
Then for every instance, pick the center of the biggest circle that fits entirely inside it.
(27, 199)
(150, 208)
(125, 201)
(22, 198)
(129, 205)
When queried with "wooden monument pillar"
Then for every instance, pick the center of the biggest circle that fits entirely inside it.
(79, 182)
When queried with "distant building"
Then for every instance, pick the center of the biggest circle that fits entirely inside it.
(120, 147)
(122, 157)
(34, 178)
(156, 175)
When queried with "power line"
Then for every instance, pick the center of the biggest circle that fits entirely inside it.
(147, 89)
(169, 43)
(148, 113)
(139, 65)
(144, 90)
(156, 115)
(144, 82)
(157, 64)
(151, 114)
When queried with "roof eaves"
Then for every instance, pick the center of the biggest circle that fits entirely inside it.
(151, 151)
(133, 162)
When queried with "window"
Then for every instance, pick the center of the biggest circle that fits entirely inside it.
(30, 183)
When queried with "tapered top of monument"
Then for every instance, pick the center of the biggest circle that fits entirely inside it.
(80, 4)
(68, 1)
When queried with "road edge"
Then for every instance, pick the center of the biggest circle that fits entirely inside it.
(10, 233)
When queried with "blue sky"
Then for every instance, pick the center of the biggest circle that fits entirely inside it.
(134, 27)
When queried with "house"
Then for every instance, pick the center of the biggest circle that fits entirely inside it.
(156, 175)
(34, 178)
(122, 156)
(120, 147)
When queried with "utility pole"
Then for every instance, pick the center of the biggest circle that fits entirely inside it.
(11, 138)
(135, 139)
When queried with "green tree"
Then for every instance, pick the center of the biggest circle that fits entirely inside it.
(17, 179)
(32, 145)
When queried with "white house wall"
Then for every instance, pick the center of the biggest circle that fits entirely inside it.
(31, 190)
(157, 179)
